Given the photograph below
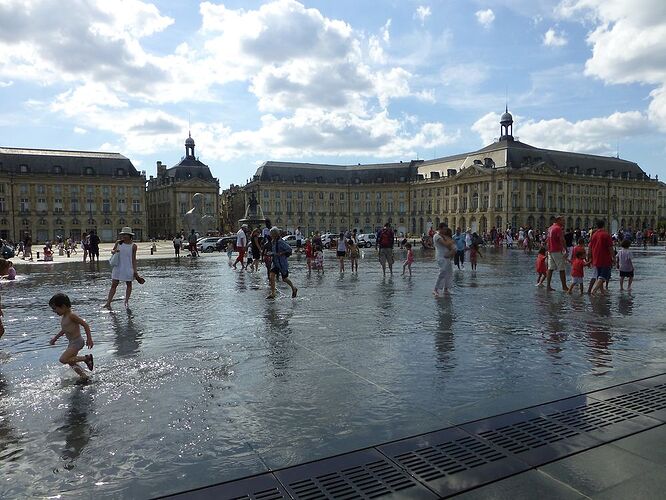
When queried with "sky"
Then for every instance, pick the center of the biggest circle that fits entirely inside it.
(332, 81)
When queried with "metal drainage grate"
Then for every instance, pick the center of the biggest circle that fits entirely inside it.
(263, 487)
(528, 435)
(593, 416)
(644, 401)
(448, 458)
(371, 476)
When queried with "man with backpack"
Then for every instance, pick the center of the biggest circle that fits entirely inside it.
(385, 241)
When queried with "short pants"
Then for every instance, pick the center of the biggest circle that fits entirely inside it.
(556, 261)
(341, 253)
(577, 280)
(626, 274)
(604, 273)
(386, 255)
(76, 343)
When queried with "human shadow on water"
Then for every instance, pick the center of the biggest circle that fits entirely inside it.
(76, 426)
(9, 440)
(127, 338)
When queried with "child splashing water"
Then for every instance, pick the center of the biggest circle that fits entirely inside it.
(577, 270)
(70, 325)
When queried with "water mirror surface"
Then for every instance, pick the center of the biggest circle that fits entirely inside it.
(203, 380)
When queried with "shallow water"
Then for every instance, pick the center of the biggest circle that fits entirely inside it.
(203, 380)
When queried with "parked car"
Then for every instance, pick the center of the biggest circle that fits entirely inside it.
(222, 243)
(367, 240)
(327, 239)
(207, 245)
(290, 239)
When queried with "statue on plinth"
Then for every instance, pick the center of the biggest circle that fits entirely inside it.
(196, 219)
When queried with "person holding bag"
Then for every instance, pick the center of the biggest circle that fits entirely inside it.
(125, 266)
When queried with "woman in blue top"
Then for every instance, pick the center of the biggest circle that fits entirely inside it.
(279, 252)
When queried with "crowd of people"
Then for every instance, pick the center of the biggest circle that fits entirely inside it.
(559, 249)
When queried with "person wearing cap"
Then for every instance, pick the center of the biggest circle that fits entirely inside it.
(125, 269)
(556, 253)
(241, 245)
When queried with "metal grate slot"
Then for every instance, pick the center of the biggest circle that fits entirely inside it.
(648, 401)
(528, 435)
(364, 474)
(594, 415)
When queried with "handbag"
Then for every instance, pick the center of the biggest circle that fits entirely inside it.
(114, 260)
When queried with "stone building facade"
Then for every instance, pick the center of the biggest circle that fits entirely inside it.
(169, 194)
(505, 184)
(51, 193)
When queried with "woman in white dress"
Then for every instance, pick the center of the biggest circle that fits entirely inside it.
(125, 270)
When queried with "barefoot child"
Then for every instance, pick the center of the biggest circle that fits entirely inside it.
(577, 270)
(354, 254)
(474, 252)
(309, 254)
(409, 260)
(71, 328)
(541, 266)
(625, 263)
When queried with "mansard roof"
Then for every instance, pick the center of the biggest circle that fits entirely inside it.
(277, 171)
(62, 162)
(520, 154)
(190, 168)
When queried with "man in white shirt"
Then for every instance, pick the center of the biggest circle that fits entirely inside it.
(241, 245)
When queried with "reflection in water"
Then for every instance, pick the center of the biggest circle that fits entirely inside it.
(278, 334)
(127, 338)
(9, 450)
(76, 427)
(625, 304)
(444, 340)
(241, 286)
(599, 335)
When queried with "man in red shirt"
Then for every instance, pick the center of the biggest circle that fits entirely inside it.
(601, 248)
(556, 253)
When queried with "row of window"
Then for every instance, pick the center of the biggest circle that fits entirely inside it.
(72, 189)
(57, 169)
(311, 195)
(74, 205)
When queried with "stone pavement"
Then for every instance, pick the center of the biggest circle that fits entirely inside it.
(632, 467)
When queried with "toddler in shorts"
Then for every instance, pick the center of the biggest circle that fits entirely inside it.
(70, 327)
(625, 263)
(577, 270)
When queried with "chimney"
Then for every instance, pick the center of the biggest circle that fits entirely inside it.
(161, 169)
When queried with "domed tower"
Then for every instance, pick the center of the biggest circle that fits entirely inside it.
(506, 126)
(189, 146)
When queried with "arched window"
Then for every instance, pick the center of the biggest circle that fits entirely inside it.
(57, 169)
(120, 172)
(89, 171)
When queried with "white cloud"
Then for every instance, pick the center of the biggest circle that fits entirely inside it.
(79, 130)
(485, 17)
(552, 38)
(628, 44)
(314, 83)
(595, 135)
(6, 84)
(422, 13)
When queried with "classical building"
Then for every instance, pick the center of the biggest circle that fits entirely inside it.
(334, 197)
(169, 194)
(232, 208)
(50, 193)
(505, 184)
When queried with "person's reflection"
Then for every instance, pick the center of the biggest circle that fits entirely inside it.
(76, 427)
(241, 285)
(278, 333)
(444, 340)
(127, 335)
(626, 304)
(552, 307)
(385, 293)
(599, 335)
(9, 451)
